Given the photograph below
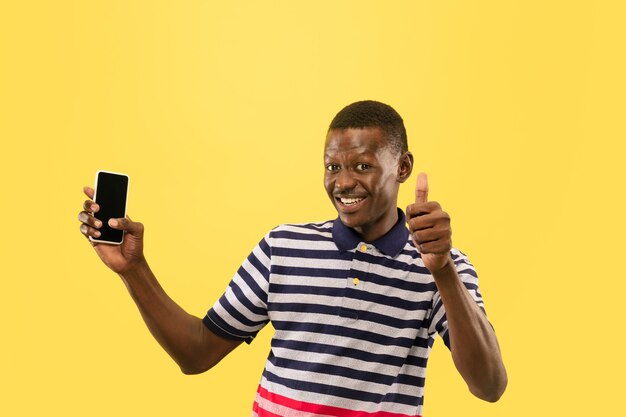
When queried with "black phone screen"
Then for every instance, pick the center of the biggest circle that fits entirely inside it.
(111, 193)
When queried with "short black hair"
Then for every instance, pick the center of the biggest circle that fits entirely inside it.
(370, 113)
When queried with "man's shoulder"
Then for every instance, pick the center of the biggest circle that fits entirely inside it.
(324, 228)
(301, 237)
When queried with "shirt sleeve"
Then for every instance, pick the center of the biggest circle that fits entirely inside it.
(467, 273)
(241, 312)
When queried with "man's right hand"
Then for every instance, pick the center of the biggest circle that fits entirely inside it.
(120, 258)
(187, 340)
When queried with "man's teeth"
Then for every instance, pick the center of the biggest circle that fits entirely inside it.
(350, 201)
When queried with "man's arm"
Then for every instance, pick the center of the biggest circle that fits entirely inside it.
(184, 337)
(473, 343)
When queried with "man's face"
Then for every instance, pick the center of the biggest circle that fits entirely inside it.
(362, 178)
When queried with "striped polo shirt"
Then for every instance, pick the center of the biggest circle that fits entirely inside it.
(355, 321)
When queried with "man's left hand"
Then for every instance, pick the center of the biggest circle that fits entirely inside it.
(430, 228)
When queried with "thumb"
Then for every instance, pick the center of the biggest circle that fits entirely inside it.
(88, 192)
(127, 225)
(421, 188)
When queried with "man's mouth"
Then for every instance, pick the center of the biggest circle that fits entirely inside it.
(349, 204)
(350, 201)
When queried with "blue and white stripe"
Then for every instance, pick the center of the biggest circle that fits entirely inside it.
(357, 344)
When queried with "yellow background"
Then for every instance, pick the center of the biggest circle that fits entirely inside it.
(218, 112)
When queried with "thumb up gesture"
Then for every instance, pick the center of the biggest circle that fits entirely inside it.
(430, 228)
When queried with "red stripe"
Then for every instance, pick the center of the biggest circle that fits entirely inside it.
(315, 408)
(263, 413)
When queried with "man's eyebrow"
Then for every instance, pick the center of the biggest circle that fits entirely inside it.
(361, 153)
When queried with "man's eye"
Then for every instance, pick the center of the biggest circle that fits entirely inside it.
(362, 167)
(332, 167)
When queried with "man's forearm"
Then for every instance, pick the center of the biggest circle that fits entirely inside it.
(473, 342)
(179, 333)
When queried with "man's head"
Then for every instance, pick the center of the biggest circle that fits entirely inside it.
(373, 114)
(366, 160)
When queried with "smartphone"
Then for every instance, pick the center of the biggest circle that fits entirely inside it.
(111, 194)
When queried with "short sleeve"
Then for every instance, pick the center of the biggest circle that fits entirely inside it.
(467, 273)
(241, 312)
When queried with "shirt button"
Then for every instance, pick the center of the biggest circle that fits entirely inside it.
(355, 281)
(363, 248)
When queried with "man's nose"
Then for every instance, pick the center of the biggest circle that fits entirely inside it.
(345, 181)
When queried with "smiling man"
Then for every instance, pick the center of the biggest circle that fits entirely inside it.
(366, 160)
(356, 302)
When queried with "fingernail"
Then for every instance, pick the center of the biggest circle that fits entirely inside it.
(113, 222)
(98, 224)
(96, 233)
(94, 207)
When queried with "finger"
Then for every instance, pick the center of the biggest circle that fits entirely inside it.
(86, 218)
(88, 231)
(90, 206)
(424, 236)
(88, 192)
(420, 209)
(421, 188)
(418, 223)
(432, 234)
(127, 225)
(437, 247)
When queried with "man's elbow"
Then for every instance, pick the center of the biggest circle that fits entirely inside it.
(194, 368)
(191, 371)
(493, 392)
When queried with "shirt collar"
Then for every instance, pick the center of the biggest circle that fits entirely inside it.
(390, 244)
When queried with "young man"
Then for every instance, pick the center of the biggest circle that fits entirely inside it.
(356, 301)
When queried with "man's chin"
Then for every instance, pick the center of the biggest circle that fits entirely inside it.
(349, 220)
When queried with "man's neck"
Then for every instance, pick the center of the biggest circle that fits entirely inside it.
(379, 228)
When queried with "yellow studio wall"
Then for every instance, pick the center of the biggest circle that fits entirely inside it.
(218, 112)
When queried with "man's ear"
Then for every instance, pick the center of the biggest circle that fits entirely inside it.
(405, 167)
